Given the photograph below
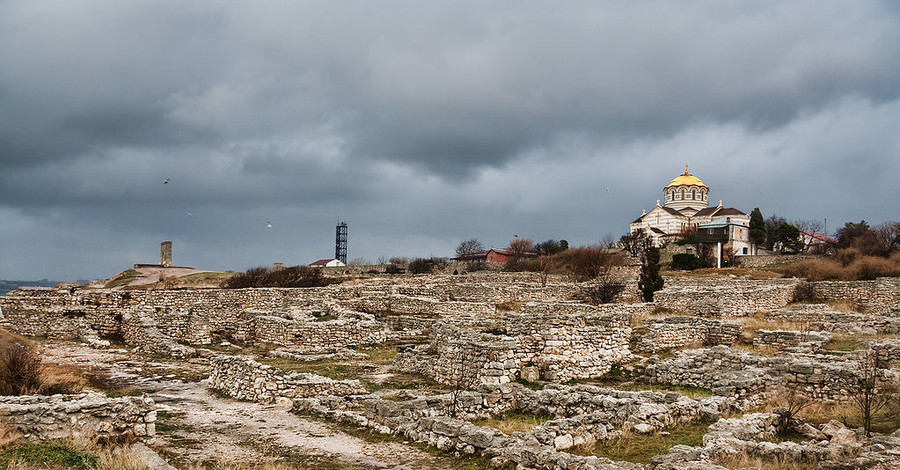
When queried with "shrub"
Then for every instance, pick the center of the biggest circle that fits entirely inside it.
(860, 268)
(394, 269)
(588, 262)
(20, 369)
(295, 276)
(605, 291)
(686, 261)
(426, 265)
(804, 293)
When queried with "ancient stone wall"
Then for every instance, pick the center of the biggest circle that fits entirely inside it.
(718, 297)
(582, 416)
(821, 317)
(562, 346)
(782, 339)
(751, 377)
(90, 415)
(880, 296)
(245, 379)
(678, 331)
(763, 261)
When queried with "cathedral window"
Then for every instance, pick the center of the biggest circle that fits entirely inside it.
(693, 195)
(682, 194)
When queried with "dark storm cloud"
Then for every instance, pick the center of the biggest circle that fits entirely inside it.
(425, 123)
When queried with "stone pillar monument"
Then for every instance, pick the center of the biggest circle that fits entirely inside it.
(165, 253)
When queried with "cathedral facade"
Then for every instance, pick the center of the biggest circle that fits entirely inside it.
(685, 209)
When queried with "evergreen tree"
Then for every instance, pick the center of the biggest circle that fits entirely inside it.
(650, 280)
(757, 228)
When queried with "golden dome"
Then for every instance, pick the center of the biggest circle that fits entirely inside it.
(686, 179)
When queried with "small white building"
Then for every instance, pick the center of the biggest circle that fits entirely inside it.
(327, 263)
(730, 237)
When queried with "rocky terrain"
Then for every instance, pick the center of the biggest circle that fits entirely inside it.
(476, 371)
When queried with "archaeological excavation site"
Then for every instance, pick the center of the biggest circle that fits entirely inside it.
(464, 370)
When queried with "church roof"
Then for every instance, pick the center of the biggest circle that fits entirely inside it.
(686, 179)
(718, 211)
(674, 212)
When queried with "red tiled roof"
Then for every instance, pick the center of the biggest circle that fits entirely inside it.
(321, 262)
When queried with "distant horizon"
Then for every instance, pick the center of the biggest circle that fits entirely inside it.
(244, 132)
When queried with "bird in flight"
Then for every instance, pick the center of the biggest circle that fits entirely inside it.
(167, 180)
(269, 224)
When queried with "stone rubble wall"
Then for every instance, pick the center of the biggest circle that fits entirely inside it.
(90, 415)
(753, 378)
(562, 346)
(832, 445)
(764, 261)
(887, 352)
(245, 379)
(821, 317)
(140, 329)
(582, 415)
(724, 297)
(679, 331)
(782, 339)
(881, 296)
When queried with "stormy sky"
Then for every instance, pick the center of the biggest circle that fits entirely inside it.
(424, 123)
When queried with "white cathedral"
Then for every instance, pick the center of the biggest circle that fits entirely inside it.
(687, 209)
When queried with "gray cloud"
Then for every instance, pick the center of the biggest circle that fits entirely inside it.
(424, 123)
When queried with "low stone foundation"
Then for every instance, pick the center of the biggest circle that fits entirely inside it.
(582, 415)
(245, 379)
(560, 347)
(674, 332)
(811, 341)
(752, 378)
(90, 415)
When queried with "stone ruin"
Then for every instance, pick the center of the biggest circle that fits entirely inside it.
(483, 332)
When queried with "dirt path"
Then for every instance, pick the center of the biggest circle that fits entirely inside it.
(197, 426)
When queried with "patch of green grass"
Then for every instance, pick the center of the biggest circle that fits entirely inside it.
(514, 421)
(530, 385)
(381, 354)
(123, 278)
(847, 344)
(639, 448)
(619, 383)
(54, 453)
(406, 381)
(459, 462)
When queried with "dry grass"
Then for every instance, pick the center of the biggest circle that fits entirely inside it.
(759, 321)
(846, 266)
(640, 448)
(819, 412)
(746, 273)
(22, 372)
(68, 454)
(747, 461)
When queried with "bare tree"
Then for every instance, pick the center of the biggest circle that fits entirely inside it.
(870, 391)
(519, 248)
(468, 247)
(810, 226)
(635, 242)
(888, 234)
(608, 241)
(790, 403)
(462, 374)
